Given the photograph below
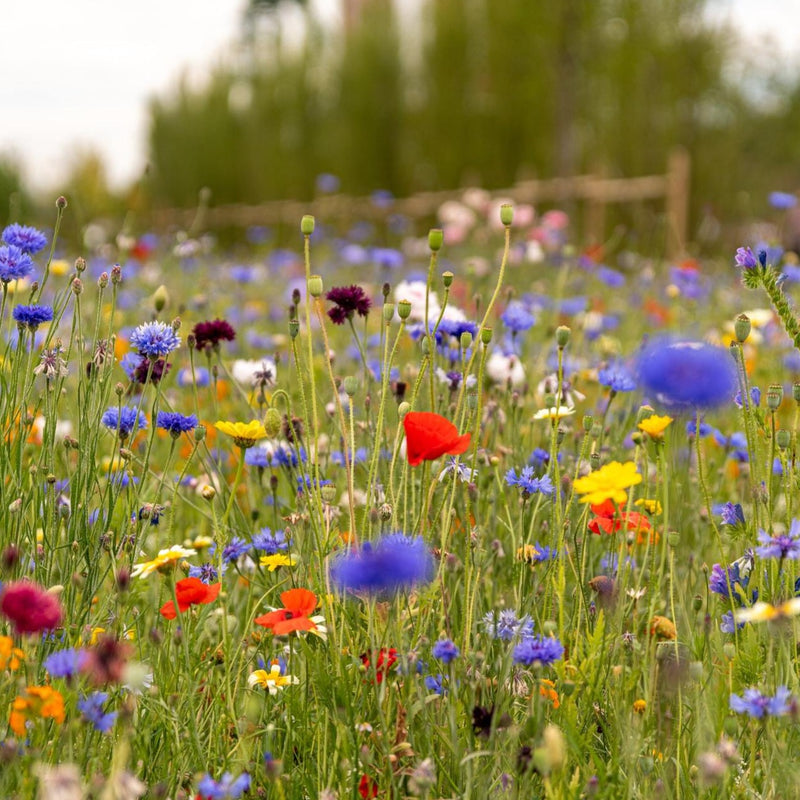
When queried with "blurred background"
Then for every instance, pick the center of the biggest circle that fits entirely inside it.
(131, 111)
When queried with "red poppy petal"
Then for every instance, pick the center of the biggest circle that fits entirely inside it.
(294, 624)
(271, 618)
(299, 601)
(604, 509)
(168, 610)
(429, 436)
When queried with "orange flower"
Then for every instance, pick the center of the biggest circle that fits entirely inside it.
(298, 605)
(10, 657)
(430, 436)
(190, 592)
(37, 701)
(547, 689)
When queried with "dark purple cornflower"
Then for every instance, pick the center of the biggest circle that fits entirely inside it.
(758, 706)
(91, 708)
(347, 300)
(783, 546)
(210, 334)
(445, 650)
(146, 370)
(14, 264)
(31, 317)
(176, 423)
(27, 239)
(392, 564)
(745, 259)
(542, 649)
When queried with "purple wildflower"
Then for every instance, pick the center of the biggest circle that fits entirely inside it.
(31, 317)
(758, 706)
(347, 300)
(14, 264)
(542, 649)
(92, 709)
(29, 240)
(445, 650)
(155, 339)
(506, 625)
(783, 546)
(745, 259)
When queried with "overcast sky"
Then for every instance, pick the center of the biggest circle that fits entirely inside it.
(80, 72)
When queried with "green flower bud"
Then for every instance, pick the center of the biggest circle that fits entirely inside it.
(562, 336)
(307, 225)
(466, 340)
(486, 335)
(294, 328)
(160, 298)
(435, 239)
(447, 279)
(404, 309)
(403, 409)
(200, 433)
(272, 422)
(328, 493)
(742, 327)
(774, 396)
(673, 539)
(644, 413)
(350, 384)
(315, 286)
(388, 312)
(783, 439)
(588, 423)
(506, 214)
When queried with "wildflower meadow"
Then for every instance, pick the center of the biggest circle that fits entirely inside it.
(372, 512)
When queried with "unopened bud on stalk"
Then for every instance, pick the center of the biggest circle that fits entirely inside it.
(563, 334)
(307, 224)
(350, 384)
(116, 274)
(80, 264)
(272, 422)
(588, 422)
(294, 328)
(160, 298)
(200, 433)
(506, 214)
(486, 335)
(388, 312)
(77, 286)
(742, 327)
(435, 239)
(774, 396)
(465, 340)
(328, 493)
(447, 279)
(315, 286)
(102, 281)
(403, 409)
(61, 202)
(783, 439)
(404, 309)
(208, 492)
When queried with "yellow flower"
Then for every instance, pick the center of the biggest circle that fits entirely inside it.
(554, 413)
(640, 706)
(37, 701)
(59, 266)
(654, 426)
(165, 558)
(663, 628)
(201, 542)
(10, 657)
(278, 560)
(651, 505)
(245, 434)
(272, 680)
(608, 483)
(764, 612)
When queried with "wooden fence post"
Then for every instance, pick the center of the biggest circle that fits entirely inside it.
(678, 176)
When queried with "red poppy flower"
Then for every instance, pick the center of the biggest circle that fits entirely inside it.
(30, 607)
(385, 661)
(298, 605)
(609, 520)
(367, 787)
(190, 592)
(429, 436)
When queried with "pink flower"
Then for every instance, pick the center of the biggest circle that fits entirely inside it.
(30, 607)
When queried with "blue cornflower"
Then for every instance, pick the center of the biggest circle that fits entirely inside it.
(745, 259)
(517, 318)
(392, 564)
(705, 428)
(176, 423)
(202, 377)
(610, 277)
(327, 183)
(124, 419)
(755, 396)
(226, 788)
(65, 663)
(758, 705)
(685, 375)
(540, 554)
(270, 542)
(27, 239)
(724, 581)
(14, 264)
(205, 572)
(529, 483)
(785, 545)
(233, 551)
(155, 339)
(92, 709)
(435, 683)
(610, 562)
(727, 624)
(539, 458)
(616, 378)
(445, 650)
(780, 200)
(542, 649)
(32, 316)
(506, 625)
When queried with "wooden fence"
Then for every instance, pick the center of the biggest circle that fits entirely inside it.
(596, 191)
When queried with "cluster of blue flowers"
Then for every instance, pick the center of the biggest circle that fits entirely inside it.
(392, 564)
(226, 788)
(758, 705)
(92, 709)
(155, 339)
(529, 483)
(176, 423)
(31, 317)
(124, 419)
